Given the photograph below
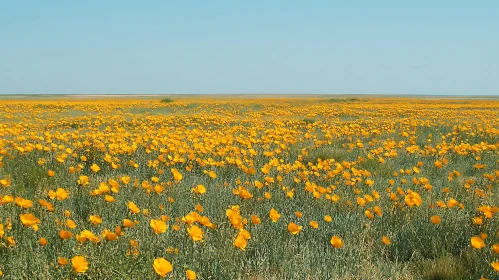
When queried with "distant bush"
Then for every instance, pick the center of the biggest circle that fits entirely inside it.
(166, 100)
(308, 121)
(350, 99)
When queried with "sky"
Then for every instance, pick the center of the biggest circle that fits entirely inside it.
(208, 46)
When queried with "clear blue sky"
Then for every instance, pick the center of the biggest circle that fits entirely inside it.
(271, 46)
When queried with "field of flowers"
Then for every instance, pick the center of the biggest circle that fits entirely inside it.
(262, 188)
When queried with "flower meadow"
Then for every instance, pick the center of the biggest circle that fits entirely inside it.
(249, 188)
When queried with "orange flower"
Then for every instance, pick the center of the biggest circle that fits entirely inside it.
(495, 266)
(62, 261)
(294, 228)
(495, 248)
(255, 219)
(158, 226)
(274, 215)
(386, 240)
(133, 207)
(328, 219)
(195, 233)
(336, 242)
(162, 267)
(314, 224)
(191, 275)
(477, 242)
(199, 189)
(95, 219)
(95, 168)
(80, 264)
(43, 241)
(436, 220)
(29, 220)
(128, 223)
(65, 234)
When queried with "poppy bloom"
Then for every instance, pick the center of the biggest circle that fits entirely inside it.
(95, 219)
(63, 234)
(162, 267)
(43, 242)
(386, 240)
(199, 189)
(435, 220)
(314, 224)
(62, 261)
(158, 226)
(195, 233)
(95, 168)
(70, 223)
(336, 242)
(29, 220)
(255, 219)
(241, 240)
(477, 242)
(274, 215)
(191, 275)
(133, 207)
(128, 223)
(294, 228)
(495, 248)
(328, 219)
(80, 264)
(495, 266)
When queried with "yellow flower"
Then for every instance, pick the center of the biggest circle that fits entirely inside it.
(495, 266)
(336, 242)
(495, 248)
(328, 219)
(314, 224)
(477, 242)
(413, 199)
(86, 235)
(162, 267)
(435, 220)
(255, 219)
(128, 223)
(65, 234)
(133, 207)
(62, 261)
(274, 215)
(43, 242)
(386, 240)
(95, 219)
(241, 241)
(80, 264)
(70, 223)
(177, 176)
(294, 228)
(95, 168)
(29, 220)
(195, 233)
(199, 189)
(191, 275)
(158, 226)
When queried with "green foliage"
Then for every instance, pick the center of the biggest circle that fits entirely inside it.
(167, 100)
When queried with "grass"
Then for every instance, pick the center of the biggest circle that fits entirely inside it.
(301, 144)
